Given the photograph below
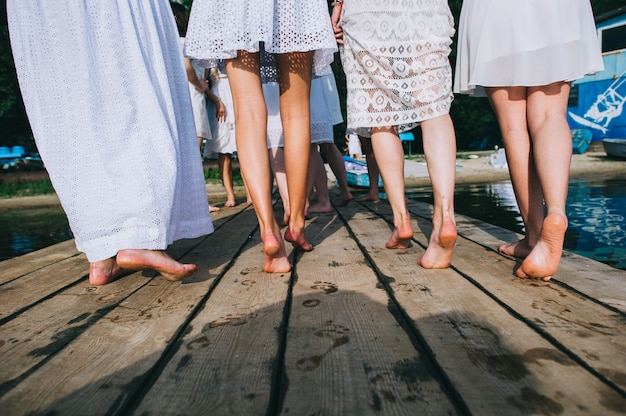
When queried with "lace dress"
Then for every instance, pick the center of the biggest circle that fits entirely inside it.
(219, 28)
(524, 43)
(110, 112)
(395, 58)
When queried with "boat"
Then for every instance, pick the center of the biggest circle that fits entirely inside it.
(580, 140)
(356, 173)
(615, 147)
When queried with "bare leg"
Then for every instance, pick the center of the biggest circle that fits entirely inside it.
(335, 161)
(170, 269)
(390, 155)
(294, 71)
(317, 175)
(373, 194)
(277, 159)
(251, 127)
(105, 271)
(440, 150)
(225, 163)
(510, 106)
(552, 152)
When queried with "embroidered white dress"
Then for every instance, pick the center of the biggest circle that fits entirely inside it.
(395, 58)
(524, 43)
(107, 98)
(219, 28)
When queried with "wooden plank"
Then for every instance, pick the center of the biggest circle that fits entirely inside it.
(19, 266)
(587, 330)
(21, 293)
(104, 365)
(225, 362)
(497, 363)
(347, 349)
(596, 280)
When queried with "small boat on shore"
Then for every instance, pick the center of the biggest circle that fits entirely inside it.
(615, 147)
(356, 173)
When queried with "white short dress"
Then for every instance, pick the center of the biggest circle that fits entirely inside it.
(325, 111)
(524, 43)
(396, 62)
(223, 131)
(219, 28)
(198, 102)
(110, 112)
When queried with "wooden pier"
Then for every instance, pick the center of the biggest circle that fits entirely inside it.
(355, 329)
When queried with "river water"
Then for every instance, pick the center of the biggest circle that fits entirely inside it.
(596, 209)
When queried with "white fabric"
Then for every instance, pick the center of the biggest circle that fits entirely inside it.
(107, 98)
(354, 144)
(220, 28)
(524, 43)
(396, 62)
(223, 131)
(325, 111)
(198, 102)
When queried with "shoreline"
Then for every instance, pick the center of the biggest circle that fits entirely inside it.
(469, 170)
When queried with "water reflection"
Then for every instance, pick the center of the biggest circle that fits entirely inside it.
(596, 208)
(31, 229)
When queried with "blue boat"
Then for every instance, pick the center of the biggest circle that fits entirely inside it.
(357, 174)
(596, 102)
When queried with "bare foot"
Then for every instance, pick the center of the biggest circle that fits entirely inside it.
(440, 246)
(543, 260)
(344, 200)
(276, 260)
(298, 239)
(213, 209)
(170, 269)
(230, 203)
(369, 197)
(105, 271)
(518, 249)
(320, 208)
(401, 236)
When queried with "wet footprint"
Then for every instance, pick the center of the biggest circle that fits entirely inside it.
(232, 320)
(327, 287)
(335, 332)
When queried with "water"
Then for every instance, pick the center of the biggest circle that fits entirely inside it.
(596, 208)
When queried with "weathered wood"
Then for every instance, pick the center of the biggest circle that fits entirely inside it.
(481, 345)
(357, 329)
(225, 362)
(347, 339)
(109, 340)
(19, 266)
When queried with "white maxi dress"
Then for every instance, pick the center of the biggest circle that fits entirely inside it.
(507, 43)
(107, 98)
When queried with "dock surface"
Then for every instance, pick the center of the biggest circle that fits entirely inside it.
(354, 329)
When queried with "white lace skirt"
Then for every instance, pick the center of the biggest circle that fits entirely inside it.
(110, 112)
(219, 28)
(524, 43)
(396, 62)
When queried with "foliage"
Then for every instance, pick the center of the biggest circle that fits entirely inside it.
(25, 188)
(213, 176)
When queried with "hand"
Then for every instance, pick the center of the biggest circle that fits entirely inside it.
(220, 111)
(334, 19)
